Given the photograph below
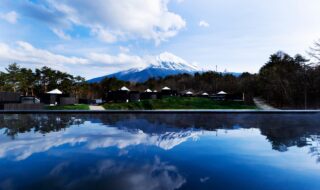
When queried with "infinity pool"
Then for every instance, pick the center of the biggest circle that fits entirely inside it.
(159, 151)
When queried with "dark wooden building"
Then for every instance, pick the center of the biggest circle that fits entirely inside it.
(149, 95)
(220, 96)
(9, 97)
(166, 91)
(187, 94)
(13, 101)
(134, 96)
(118, 96)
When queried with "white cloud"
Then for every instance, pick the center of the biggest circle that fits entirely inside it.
(99, 63)
(91, 64)
(124, 49)
(25, 53)
(112, 21)
(10, 17)
(120, 60)
(61, 34)
(204, 24)
(104, 35)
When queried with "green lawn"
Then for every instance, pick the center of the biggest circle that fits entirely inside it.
(178, 103)
(69, 107)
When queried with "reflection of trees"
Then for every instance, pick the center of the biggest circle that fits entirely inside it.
(282, 131)
(285, 131)
(22, 123)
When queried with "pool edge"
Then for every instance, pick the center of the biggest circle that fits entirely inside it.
(158, 111)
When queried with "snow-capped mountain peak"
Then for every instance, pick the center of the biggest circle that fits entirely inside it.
(162, 65)
(170, 61)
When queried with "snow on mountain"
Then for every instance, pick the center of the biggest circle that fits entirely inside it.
(171, 62)
(162, 65)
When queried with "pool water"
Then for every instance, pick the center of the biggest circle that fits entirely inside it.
(159, 151)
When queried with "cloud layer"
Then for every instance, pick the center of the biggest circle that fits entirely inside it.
(110, 20)
(25, 53)
(93, 137)
(100, 63)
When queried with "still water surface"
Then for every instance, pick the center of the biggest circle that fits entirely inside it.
(159, 151)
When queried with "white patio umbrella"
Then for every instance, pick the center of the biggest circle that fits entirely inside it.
(55, 91)
(222, 93)
(124, 88)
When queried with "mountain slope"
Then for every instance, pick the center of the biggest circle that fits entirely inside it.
(161, 66)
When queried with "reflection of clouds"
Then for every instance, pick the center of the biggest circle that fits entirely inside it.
(94, 136)
(314, 142)
(133, 175)
(204, 179)
(27, 144)
(157, 175)
(59, 168)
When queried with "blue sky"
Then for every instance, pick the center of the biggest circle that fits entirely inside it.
(93, 39)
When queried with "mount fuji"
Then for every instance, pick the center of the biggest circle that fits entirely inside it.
(162, 65)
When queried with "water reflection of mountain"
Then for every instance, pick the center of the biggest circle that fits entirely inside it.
(168, 130)
(282, 131)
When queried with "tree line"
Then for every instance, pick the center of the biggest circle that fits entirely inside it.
(284, 81)
(34, 83)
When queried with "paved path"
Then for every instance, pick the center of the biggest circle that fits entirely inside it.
(96, 108)
(261, 104)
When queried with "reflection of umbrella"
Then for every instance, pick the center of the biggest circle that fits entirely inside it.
(148, 90)
(166, 88)
(55, 91)
(124, 88)
(189, 93)
(222, 93)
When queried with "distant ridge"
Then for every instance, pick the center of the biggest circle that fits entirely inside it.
(162, 65)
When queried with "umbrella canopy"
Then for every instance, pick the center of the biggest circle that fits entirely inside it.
(124, 88)
(222, 93)
(166, 88)
(189, 93)
(55, 91)
(148, 90)
(205, 94)
(155, 91)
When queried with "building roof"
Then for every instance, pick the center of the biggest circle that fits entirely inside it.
(124, 88)
(166, 88)
(222, 93)
(55, 91)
